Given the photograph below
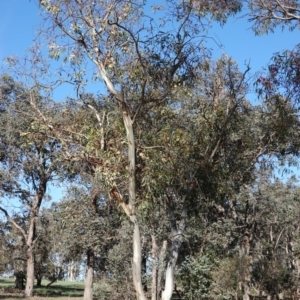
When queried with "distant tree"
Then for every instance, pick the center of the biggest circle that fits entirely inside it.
(13, 254)
(43, 266)
(88, 230)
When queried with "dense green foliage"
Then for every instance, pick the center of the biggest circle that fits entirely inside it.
(172, 151)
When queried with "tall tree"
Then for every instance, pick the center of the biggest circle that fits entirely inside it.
(153, 69)
(28, 160)
(141, 63)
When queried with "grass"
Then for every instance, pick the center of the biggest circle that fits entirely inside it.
(61, 290)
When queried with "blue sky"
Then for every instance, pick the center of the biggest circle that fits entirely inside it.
(19, 22)
(20, 19)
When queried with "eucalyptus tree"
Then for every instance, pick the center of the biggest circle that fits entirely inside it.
(6, 261)
(28, 160)
(178, 163)
(275, 256)
(141, 62)
(43, 267)
(88, 225)
(153, 65)
(267, 15)
(222, 139)
(269, 261)
(13, 256)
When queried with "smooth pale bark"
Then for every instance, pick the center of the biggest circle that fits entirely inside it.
(154, 268)
(130, 210)
(130, 207)
(30, 273)
(128, 123)
(247, 277)
(176, 243)
(136, 263)
(71, 268)
(88, 288)
(169, 284)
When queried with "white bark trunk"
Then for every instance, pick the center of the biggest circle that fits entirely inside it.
(246, 293)
(136, 264)
(71, 268)
(169, 283)
(130, 207)
(88, 289)
(130, 210)
(154, 268)
(177, 240)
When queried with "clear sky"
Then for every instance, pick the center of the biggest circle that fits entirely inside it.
(20, 19)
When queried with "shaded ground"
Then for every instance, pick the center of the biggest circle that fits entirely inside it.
(61, 290)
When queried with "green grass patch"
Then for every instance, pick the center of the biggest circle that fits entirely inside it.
(61, 288)
(58, 289)
(64, 288)
(7, 282)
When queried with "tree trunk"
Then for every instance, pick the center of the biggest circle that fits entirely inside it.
(130, 210)
(30, 273)
(137, 260)
(157, 267)
(130, 207)
(88, 288)
(38, 273)
(71, 267)
(55, 276)
(154, 268)
(144, 272)
(245, 254)
(39, 282)
(161, 259)
(31, 237)
(298, 276)
(247, 264)
(177, 240)
(20, 278)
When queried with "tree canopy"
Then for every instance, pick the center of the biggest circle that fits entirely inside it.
(172, 152)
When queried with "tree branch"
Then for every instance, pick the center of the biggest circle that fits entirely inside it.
(13, 222)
